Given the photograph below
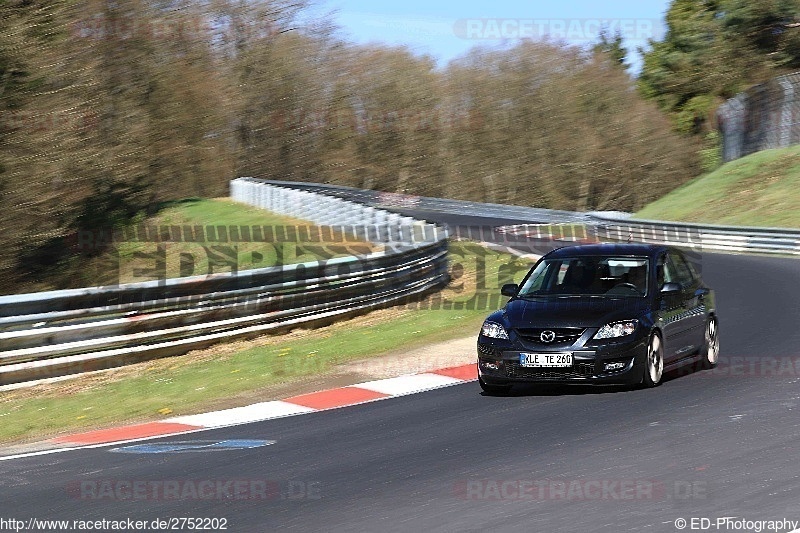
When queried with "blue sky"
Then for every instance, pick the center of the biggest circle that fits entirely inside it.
(447, 29)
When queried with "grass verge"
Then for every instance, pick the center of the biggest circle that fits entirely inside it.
(757, 190)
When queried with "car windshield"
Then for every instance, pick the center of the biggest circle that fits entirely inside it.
(588, 276)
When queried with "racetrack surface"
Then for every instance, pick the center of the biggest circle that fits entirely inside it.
(545, 459)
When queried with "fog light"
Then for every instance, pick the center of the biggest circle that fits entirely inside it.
(614, 366)
(490, 365)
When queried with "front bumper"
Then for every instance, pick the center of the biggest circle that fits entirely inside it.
(499, 364)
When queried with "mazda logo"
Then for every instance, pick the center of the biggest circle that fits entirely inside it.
(547, 336)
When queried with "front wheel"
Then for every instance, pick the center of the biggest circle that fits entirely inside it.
(654, 367)
(709, 354)
(493, 389)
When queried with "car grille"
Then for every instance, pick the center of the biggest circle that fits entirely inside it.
(485, 349)
(563, 335)
(579, 370)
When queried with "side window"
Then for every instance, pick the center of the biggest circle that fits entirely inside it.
(562, 272)
(692, 269)
(660, 274)
(536, 279)
(684, 275)
(535, 283)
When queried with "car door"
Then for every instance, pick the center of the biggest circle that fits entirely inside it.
(693, 295)
(683, 315)
(672, 310)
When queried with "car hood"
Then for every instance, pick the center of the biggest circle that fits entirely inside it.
(572, 311)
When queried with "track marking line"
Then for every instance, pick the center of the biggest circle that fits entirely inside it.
(369, 391)
(242, 415)
(410, 384)
(341, 397)
(149, 429)
(463, 372)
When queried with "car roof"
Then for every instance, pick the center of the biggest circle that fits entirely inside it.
(640, 249)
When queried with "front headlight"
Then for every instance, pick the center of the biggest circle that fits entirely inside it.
(616, 329)
(493, 330)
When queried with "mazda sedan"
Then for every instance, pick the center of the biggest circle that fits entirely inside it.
(600, 314)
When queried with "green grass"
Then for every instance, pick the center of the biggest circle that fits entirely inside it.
(185, 387)
(136, 260)
(210, 379)
(762, 189)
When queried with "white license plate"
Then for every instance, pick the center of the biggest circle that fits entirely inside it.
(545, 359)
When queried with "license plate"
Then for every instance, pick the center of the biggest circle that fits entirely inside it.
(545, 359)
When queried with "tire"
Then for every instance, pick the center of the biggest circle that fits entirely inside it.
(709, 353)
(654, 363)
(494, 389)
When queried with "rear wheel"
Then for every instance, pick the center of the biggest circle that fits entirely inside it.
(654, 367)
(709, 354)
(493, 389)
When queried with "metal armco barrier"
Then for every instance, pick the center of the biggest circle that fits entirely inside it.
(443, 205)
(700, 236)
(696, 236)
(369, 223)
(598, 225)
(63, 332)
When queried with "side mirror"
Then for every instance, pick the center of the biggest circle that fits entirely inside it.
(509, 289)
(670, 288)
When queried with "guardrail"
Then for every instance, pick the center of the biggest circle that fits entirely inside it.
(598, 225)
(696, 236)
(368, 223)
(445, 205)
(699, 236)
(62, 332)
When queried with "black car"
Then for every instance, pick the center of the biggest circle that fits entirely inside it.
(600, 314)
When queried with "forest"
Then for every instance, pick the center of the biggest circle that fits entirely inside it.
(109, 110)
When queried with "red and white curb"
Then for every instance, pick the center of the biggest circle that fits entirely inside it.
(369, 391)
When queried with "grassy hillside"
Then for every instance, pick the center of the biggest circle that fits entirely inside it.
(762, 189)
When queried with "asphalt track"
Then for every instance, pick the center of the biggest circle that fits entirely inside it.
(709, 444)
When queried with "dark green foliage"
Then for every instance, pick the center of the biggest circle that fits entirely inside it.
(714, 49)
(612, 46)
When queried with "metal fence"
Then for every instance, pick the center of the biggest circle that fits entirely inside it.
(355, 218)
(710, 237)
(595, 226)
(765, 116)
(409, 202)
